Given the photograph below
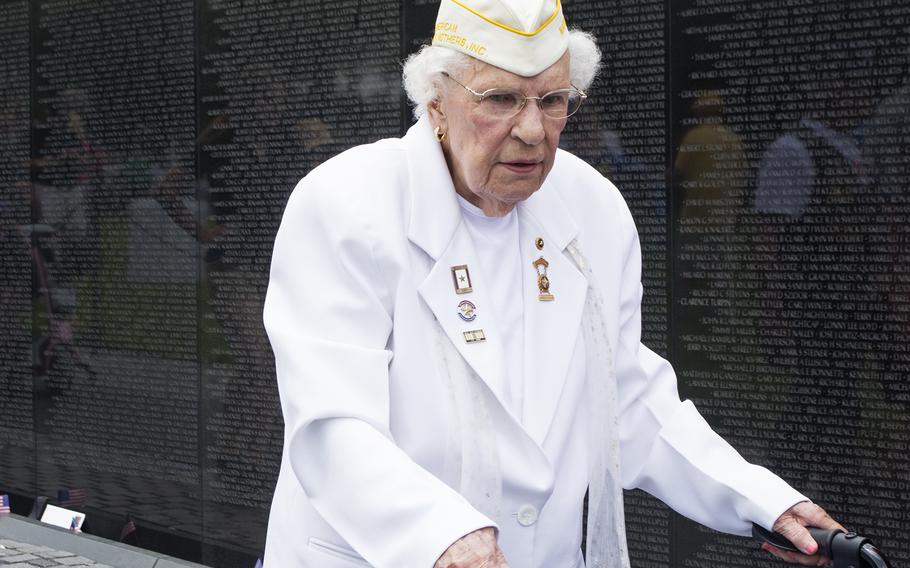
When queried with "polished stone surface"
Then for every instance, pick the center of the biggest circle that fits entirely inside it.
(26, 543)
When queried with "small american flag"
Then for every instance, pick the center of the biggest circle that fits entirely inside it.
(4, 504)
(70, 497)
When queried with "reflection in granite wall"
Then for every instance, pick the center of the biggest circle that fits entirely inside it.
(16, 255)
(270, 110)
(790, 217)
(763, 147)
(117, 405)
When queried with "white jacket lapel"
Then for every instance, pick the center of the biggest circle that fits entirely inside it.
(479, 340)
(436, 227)
(551, 327)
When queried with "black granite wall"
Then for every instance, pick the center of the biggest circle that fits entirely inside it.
(147, 150)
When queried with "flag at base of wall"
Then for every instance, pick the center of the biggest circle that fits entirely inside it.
(4, 504)
(70, 497)
(75, 524)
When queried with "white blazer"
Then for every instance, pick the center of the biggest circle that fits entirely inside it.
(361, 285)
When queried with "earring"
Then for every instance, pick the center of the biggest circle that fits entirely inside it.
(440, 135)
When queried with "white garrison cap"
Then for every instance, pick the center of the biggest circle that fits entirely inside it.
(521, 36)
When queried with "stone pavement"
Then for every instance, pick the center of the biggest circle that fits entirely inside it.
(27, 543)
(22, 555)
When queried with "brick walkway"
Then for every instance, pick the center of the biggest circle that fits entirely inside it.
(21, 555)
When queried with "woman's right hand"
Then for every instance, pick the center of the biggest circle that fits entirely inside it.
(478, 549)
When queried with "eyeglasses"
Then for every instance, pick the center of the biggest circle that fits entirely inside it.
(506, 103)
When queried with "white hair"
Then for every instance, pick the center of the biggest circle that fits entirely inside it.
(422, 70)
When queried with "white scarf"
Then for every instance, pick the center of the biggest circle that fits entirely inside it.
(473, 458)
(606, 546)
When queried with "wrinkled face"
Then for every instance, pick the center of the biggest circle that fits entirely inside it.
(497, 162)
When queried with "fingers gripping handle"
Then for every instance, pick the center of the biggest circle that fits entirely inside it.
(847, 550)
(823, 537)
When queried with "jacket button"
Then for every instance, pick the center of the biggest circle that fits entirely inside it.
(527, 515)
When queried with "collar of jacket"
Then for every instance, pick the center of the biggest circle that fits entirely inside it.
(435, 226)
(435, 213)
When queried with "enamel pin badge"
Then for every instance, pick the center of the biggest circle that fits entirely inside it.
(543, 281)
(467, 311)
(462, 279)
(475, 336)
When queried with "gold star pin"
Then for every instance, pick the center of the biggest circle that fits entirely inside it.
(462, 279)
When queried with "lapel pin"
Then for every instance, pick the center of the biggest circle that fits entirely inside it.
(467, 311)
(543, 281)
(462, 279)
(475, 336)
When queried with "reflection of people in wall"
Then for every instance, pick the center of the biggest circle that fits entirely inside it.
(787, 175)
(56, 303)
(818, 160)
(817, 186)
(63, 229)
(710, 162)
(455, 317)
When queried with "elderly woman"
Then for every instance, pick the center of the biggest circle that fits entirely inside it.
(455, 317)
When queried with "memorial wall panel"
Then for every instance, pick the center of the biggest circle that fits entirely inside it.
(17, 440)
(622, 131)
(147, 151)
(278, 96)
(790, 248)
(113, 150)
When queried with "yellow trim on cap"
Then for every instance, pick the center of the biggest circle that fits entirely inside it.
(509, 28)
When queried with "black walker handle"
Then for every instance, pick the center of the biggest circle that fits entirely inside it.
(822, 537)
(846, 549)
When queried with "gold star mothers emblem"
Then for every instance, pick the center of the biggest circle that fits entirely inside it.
(462, 279)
